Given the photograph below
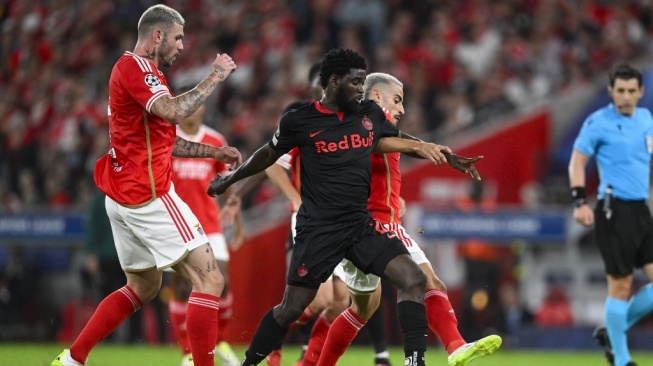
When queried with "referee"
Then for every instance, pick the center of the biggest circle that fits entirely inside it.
(620, 137)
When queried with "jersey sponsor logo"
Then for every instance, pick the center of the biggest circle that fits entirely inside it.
(353, 141)
(313, 134)
(192, 168)
(367, 123)
(302, 270)
(152, 80)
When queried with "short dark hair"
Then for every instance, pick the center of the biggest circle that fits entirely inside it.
(339, 62)
(158, 15)
(625, 72)
(313, 72)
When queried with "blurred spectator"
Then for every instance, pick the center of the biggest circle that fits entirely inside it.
(556, 309)
(464, 62)
(19, 283)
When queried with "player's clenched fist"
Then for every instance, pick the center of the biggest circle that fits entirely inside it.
(223, 66)
(229, 155)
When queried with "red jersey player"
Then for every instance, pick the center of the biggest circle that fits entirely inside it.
(153, 228)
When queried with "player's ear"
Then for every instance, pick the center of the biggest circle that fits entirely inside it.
(334, 80)
(158, 36)
(376, 95)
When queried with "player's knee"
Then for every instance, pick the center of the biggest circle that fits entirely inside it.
(434, 282)
(339, 305)
(288, 312)
(211, 283)
(146, 293)
(416, 282)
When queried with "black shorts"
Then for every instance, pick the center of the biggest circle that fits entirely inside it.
(626, 239)
(319, 248)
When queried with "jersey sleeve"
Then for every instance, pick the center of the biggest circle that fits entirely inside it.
(588, 137)
(285, 161)
(283, 139)
(143, 82)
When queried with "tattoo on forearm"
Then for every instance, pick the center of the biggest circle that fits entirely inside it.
(187, 103)
(188, 149)
(220, 71)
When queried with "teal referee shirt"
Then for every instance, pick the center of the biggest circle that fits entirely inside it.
(622, 146)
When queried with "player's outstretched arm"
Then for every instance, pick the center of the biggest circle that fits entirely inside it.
(189, 149)
(417, 149)
(465, 165)
(261, 159)
(176, 109)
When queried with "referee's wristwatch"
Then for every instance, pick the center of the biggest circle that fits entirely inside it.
(579, 202)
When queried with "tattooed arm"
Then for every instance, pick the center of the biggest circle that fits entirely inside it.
(174, 110)
(188, 149)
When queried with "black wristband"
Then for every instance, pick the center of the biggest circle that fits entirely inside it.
(578, 193)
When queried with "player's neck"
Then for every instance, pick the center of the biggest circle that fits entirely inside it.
(329, 104)
(147, 52)
(190, 129)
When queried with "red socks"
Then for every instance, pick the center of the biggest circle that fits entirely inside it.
(202, 326)
(306, 316)
(111, 312)
(342, 332)
(224, 315)
(442, 319)
(318, 336)
(177, 314)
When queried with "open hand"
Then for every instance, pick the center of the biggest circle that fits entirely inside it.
(465, 165)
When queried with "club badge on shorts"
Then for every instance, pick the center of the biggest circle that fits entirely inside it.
(199, 229)
(302, 270)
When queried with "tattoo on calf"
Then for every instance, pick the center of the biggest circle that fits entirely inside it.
(199, 271)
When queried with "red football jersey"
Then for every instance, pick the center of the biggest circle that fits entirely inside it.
(137, 168)
(290, 161)
(192, 176)
(385, 186)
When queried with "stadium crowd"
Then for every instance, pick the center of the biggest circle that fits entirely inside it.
(462, 62)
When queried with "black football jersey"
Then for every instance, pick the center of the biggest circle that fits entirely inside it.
(335, 153)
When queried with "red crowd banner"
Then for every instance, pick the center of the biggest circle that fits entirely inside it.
(257, 273)
(514, 157)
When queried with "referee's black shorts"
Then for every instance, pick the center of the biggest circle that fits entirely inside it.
(626, 239)
(319, 248)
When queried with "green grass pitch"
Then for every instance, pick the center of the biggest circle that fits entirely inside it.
(33, 354)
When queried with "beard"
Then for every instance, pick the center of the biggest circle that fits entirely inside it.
(162, 53)
(347, 105)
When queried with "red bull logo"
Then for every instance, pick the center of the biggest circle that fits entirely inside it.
(353, 141)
